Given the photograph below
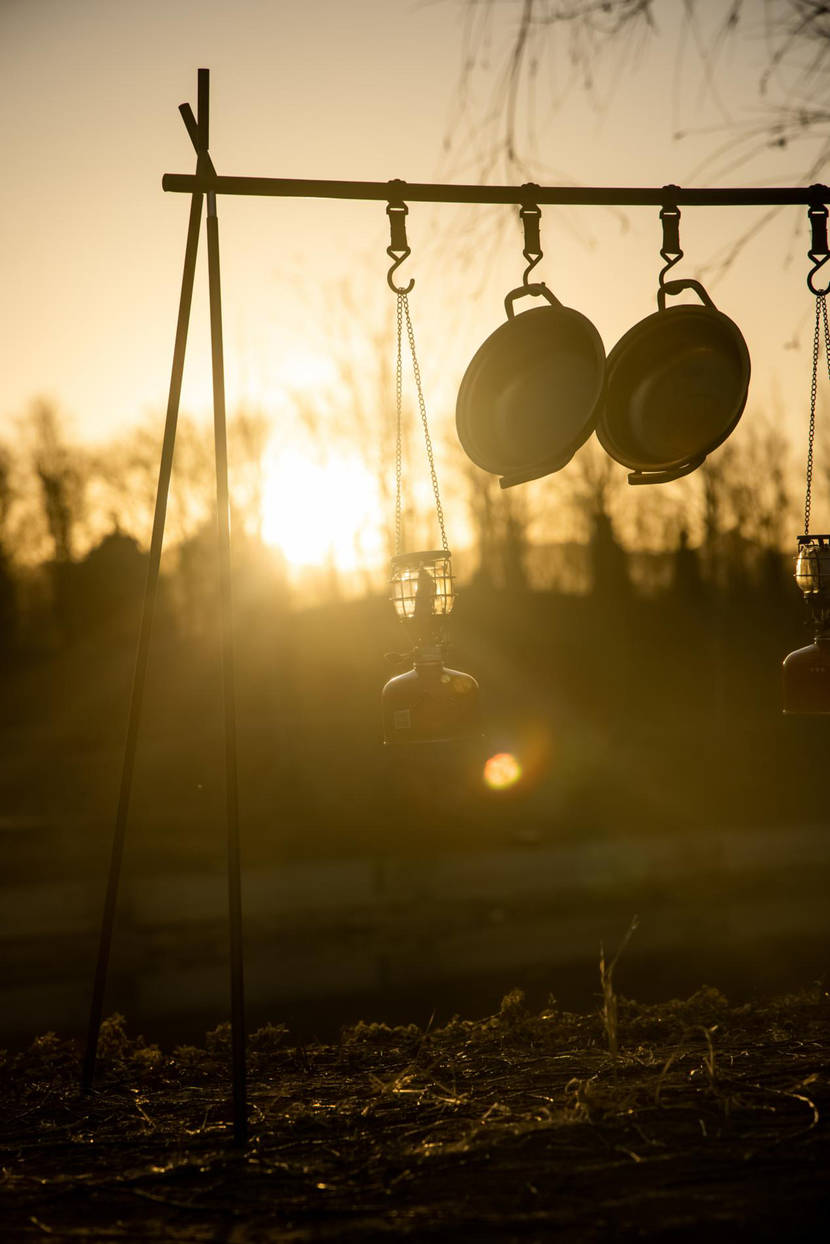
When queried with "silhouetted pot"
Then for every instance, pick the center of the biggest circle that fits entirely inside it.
(676, 386)
(529, 397)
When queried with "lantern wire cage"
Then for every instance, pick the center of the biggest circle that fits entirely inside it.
(421, 584)
(812, 575)
(812, 566)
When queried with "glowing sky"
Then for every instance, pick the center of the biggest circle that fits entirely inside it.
(92, 248)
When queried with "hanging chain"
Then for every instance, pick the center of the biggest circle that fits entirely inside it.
(403, 310)
(398, 430)
(821, 320)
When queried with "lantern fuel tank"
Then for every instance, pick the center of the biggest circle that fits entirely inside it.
(807, 678)
(430, 703)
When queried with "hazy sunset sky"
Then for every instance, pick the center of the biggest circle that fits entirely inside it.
(92, 247)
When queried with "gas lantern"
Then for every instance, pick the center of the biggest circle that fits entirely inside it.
(429, 703)
(806, 672)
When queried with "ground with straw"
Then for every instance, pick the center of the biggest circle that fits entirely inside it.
(684, 1115)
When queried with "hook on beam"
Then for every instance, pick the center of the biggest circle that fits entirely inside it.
(398, 248)
(819, 251)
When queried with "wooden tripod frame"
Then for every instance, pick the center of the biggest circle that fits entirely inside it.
(198, 129)
(206, 184)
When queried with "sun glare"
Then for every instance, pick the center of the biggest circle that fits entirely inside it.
(304, 370)
(321, 512)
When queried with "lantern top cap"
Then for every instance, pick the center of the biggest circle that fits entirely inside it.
(822, 540)
(404, 560)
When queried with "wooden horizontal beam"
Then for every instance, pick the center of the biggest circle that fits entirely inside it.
(400, 191)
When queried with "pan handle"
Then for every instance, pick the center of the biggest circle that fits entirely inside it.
(539, 290)
(677, 287)
(665, 477)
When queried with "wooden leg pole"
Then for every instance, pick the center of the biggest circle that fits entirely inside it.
(140, 672)
(240, 1112)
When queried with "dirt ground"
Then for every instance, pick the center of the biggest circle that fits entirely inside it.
(687, 1120)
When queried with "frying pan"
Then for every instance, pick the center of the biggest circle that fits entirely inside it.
(676, 386)
(529, 396)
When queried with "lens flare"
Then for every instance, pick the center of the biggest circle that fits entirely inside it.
(502, 771)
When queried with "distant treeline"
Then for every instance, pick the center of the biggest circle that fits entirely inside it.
(646, 702)
(75, 523)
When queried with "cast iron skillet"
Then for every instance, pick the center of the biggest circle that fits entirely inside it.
(529, 397)
(676, 386)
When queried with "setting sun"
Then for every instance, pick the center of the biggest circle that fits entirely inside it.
(316, 512)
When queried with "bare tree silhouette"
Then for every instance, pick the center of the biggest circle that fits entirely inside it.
(560, 44)
(61, 472)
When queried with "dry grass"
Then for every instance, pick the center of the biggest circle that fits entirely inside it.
(686, 1112)
(609, 997)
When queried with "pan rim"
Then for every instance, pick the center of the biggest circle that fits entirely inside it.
(611, 422)
(491, 456)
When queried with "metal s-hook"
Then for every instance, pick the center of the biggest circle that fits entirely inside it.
(398, 248)
(530, 214)
(818, 291)
(819, 251)
(671, 250)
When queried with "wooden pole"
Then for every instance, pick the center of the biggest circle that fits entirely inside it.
(140, 671)
(240, 1116)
